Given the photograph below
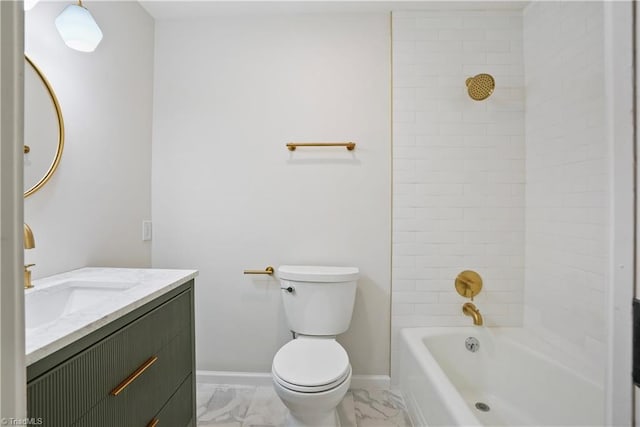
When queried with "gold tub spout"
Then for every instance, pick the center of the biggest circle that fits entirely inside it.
(469, 309)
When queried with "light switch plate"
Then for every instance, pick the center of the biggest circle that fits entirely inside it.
(146, 230)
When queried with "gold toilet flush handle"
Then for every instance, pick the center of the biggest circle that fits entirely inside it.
(268, 270)
(468, 284)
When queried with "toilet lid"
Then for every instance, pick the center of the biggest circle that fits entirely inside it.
(317, 273)
(311, 362)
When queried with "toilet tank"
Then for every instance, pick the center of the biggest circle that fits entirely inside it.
(318, 300)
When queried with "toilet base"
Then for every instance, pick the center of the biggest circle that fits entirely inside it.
(329, 419)
(313, 409)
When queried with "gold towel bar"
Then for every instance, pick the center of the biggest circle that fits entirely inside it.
(349, 145)
(269, 270)
(131, 378)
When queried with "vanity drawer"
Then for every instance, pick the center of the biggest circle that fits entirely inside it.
(137, 404)
(178, 412)
(67, 392)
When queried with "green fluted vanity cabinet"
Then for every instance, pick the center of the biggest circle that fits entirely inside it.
(154, 344)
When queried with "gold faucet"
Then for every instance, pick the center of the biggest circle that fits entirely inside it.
(29, 243)
(469, 309)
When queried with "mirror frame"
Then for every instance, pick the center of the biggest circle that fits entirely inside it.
(56, 160)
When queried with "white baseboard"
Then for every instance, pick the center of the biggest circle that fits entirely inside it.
(373, 382)
(263, 379)
(258, 379)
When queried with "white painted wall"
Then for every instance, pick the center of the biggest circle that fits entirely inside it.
(228, 196)
(90, 213)
(567, 177)
(458, 185)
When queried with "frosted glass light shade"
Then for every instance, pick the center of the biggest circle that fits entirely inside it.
(29, 4)
(78, 29)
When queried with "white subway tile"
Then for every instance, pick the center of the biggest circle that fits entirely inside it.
(508, 22)
(432, 285)
(432, 321)
(424, 48)
(415, 249)
(463, 129)
(404, 285)
(439, 237)
(439, 188)
(436, 22)
(461, 34)
(458, 186)
(498, 34)
(402, 33)
(404, 116)
(440, 213)
(486, 46)
(437, 261)
(563, 246)
(415, 297)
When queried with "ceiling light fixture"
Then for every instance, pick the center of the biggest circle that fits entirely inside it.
(78, 29)
(29, 4)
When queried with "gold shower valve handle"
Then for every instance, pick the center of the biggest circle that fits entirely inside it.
(468, 284)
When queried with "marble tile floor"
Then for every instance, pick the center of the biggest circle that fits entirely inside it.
(248, 406)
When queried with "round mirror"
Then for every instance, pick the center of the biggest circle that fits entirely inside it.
(43, 129)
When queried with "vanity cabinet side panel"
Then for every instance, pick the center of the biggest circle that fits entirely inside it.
(192, 320)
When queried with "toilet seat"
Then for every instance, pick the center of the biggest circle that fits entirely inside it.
(311, 365)
(316, 389)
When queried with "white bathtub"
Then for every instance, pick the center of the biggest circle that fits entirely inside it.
(442, 381)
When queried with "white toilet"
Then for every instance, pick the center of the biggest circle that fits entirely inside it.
(311, 374)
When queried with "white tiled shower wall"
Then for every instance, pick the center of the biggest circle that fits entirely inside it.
(458, 184)
(566, 197)
(459, 173)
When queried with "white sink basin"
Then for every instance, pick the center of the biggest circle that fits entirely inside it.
(43, 306)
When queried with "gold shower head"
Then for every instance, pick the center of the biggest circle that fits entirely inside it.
(481, 86)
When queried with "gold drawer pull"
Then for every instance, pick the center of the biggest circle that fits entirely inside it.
(153, 423)
(131, 378)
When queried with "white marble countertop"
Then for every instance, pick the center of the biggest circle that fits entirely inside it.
(144, 285)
